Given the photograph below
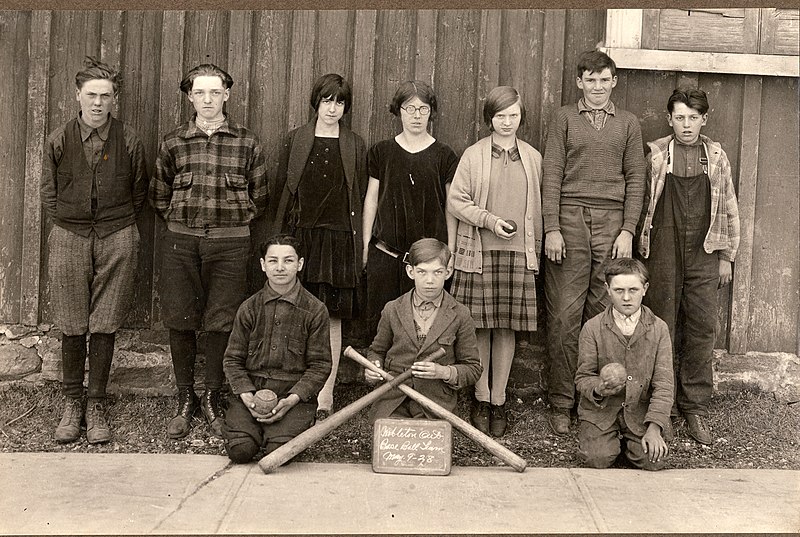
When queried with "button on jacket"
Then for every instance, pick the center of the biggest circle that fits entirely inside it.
(647, 357)
(284, 337)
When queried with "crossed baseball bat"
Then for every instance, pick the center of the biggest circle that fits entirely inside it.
(322, 428)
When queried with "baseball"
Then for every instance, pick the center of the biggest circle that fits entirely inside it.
(511, 226)
(264, 401)
(613, 374)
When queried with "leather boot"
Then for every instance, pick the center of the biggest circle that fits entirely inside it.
(212, 410)
(188, 403)
(97, 428)
(498, 420)
(69, 429)
(480, 416)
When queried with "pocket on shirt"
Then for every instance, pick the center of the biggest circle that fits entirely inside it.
(295, 355)
(236, 187)
(181, 189)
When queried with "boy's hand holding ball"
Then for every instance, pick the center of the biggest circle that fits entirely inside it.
(264, 401)
(612, 379)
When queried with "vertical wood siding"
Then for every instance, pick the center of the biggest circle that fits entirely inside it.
(274, 57)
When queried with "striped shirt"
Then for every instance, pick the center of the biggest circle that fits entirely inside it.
(213, 181)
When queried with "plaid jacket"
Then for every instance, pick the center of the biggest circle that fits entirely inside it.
(210, 181)
(723, 233)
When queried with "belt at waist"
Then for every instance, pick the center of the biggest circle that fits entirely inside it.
(385, 248)
(209, 232)
(277, 374)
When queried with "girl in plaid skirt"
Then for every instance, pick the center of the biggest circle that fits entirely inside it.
(495, 196)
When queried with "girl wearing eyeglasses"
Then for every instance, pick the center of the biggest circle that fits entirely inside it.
(496, 198)
(322, 178)
(408, 180)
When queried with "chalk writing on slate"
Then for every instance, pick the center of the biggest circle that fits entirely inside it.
(407, 446)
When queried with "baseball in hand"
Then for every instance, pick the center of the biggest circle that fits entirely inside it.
(264, 401)
(613, 375)
(510, 226)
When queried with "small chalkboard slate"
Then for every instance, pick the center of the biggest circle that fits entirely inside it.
(406, 446)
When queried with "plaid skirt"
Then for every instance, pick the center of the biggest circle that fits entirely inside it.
(504, 296)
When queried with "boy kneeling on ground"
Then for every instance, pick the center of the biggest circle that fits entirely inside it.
(637, 405)
(280, 342)
(417, 324)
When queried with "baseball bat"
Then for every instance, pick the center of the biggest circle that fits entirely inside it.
(323, 428)
(485, 441)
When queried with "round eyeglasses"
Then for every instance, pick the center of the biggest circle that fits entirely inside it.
(424, 110)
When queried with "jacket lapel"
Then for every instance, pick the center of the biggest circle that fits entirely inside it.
(444, 318)
(406, 313)
(301, 148)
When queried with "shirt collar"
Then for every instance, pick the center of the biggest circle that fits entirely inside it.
(193, 130)
(497, 152)
(609, 108)
(86, 130)
(417, 300)
(697, 143)
(622, 318)
(292, 295)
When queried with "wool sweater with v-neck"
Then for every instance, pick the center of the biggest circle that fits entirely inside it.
(593, 168)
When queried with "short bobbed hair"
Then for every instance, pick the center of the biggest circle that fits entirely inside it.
(595, 61)
(426, 250)
(408, 90)
(282, 239)
(625, 265)
(498, 100)
(331, 85)
(205, 69)
(94, 69)
(692, 97)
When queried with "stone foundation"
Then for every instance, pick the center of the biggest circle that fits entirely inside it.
(142, 364)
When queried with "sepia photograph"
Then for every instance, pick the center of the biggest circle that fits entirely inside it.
(386, 269)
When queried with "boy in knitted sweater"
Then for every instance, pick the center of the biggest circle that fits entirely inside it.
(592, 188)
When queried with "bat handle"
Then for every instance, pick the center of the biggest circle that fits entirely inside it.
(356, 356)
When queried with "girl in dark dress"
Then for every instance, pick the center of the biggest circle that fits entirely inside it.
(409, 176)
(322, 178)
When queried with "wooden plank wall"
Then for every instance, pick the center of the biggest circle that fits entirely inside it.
(274, 56)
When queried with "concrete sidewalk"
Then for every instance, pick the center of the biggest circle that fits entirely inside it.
(117, 493)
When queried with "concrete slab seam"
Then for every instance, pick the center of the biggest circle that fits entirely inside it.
(594, 510)
(200, 486)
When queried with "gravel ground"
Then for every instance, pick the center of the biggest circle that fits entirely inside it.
(751, 430)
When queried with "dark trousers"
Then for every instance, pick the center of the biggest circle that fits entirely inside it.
(244, 436)
(575, 291)
(599, 448)
(684, 282)
(203, 281)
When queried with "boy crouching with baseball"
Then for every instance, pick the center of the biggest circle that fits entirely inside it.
(624, 375)
(280, 342)
(415, 325)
